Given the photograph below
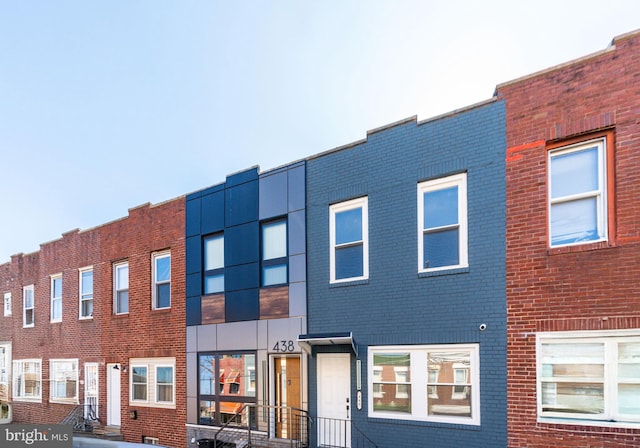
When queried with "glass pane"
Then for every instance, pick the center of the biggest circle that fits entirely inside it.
(163, 269)
(574, 173)
(629, 360)
(229, 413)
(56, 309)
(87, 282)
(578, 353)
(213, 284)
(207, 412)
(165, 393)
(235, 374)
(349, 262)
(441, 248)
(392, 398)
(87, 308)
(28, 298)
(349, 226)
(163, 295)
(57, 287)
(575, 221)
(576, 398)
(207, 377)
(441, 208)
(274, 275)
(122, 273)
(449, 400)
(274, 240)
(214, 253)
(165, 375)
(123, 302)
(629, 399)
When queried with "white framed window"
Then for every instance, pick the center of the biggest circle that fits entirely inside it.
(165, 380)
(56, 298)
(213, 264)
(150, 440)
(589, 377)
(63, 380)
(28, 307)
(121, 288)
(27, 380)
(577, 194)
(161, 280)
(349, 240)
(86, 293)
(437, 383)
(7, 304)
(442, 223)
(274, 253)
(152, 382)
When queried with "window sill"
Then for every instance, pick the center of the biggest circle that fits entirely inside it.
(579, 248)
(431, 423)
(452, 271)
(364, 281)
(589, 423)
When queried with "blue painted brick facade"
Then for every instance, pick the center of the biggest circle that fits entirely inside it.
(396, 306)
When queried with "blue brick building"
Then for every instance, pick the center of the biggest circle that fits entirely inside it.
(406, 284)
(246, 302)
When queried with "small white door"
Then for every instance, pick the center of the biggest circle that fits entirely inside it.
(91, 391)
(334, 399)
(113, 394)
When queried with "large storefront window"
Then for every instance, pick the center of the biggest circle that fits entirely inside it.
(226, 385)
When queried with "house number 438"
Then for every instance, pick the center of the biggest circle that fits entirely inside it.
(284, 346)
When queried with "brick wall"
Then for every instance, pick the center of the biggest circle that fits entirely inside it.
(587, 287)
(106, 338)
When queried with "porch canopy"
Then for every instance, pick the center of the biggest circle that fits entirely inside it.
(306, 341)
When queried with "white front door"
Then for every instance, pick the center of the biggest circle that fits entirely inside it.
(91, 391)
(113, 394)
(334, 399)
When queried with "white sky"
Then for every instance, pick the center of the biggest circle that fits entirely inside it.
(106, 105)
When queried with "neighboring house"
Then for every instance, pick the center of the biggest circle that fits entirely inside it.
(246, 303)
(573, 251)
(94, 321)
(406, 284)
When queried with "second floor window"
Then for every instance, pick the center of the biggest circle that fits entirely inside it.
(442, 223)
(162, 280)
(28, 307)
(274, 253)
(56, 298)
(349, 240)
(577, 194)
(121, 288)
(86, 293)
(213, 264)
(7, 304)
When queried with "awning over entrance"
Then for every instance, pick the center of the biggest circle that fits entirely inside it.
(307, 340)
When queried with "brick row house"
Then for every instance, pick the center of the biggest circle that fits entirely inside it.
(91, 328)
(573, 251)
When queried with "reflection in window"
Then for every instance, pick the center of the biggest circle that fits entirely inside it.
(394, 388)
(139, 383)
(274, 253)
(213, 261)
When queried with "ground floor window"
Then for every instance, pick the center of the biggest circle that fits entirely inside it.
(27, 379)
(152, 382)
(64, 380)
(589, 376)
(226, 382)
(425, 382)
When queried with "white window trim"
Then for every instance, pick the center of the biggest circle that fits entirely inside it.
(53, 278)
(7, 304)
(80, 296)
(600, 194)
(155, 283)
(457, 180)
(610, 382)
(419, 379)
(76, 398)
(173, 385)
(334, 209)
(152, 364)
(116, 266)
(34, 398)
(24, 307)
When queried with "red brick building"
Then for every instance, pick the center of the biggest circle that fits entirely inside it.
(573, 251)
(94, 323)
